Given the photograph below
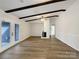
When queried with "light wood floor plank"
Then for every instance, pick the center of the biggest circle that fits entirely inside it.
(37, 48)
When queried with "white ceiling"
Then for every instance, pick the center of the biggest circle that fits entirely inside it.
(11, 4)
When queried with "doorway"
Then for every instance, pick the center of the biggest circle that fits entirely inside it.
(52, 31)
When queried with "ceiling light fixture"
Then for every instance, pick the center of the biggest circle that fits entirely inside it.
(42, 18)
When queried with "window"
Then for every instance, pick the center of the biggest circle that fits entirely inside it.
(5, 34)
(16, 32)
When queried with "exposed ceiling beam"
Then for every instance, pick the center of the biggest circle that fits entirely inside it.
(40, 18)
(43, 13)
(32, 6)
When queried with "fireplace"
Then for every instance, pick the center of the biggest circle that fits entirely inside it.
(43, 34)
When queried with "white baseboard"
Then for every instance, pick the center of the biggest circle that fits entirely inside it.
(67, 43)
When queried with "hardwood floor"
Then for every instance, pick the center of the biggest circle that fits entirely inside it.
(37, 48)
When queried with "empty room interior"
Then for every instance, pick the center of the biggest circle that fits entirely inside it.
(39, 29)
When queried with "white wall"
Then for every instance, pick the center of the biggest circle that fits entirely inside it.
(37, 26)
(67, 26)
(36, 29)
(24, 28)
(52, 20)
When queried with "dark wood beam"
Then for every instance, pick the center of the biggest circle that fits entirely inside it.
(52, 16)
(40, 18)
(34, 5)
(43, 13)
